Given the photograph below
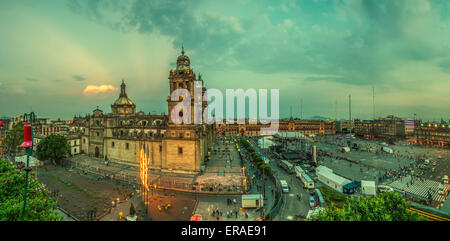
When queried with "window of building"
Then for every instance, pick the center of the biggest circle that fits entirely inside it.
(127, 146)
(160, 148)
(84, 141)
(112, 144)
(98, 133)
(180, 150)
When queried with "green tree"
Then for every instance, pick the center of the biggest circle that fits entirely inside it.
(53, 147)
(14, 137)
(389, 206)
(39, 207)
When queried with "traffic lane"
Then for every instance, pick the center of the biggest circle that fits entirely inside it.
(292, 207)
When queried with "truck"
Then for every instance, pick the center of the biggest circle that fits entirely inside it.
(289, 167)
(368, 188)
(284, 186)
(252, 201)
(387, 149)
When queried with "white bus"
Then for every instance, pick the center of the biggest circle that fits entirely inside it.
(307, 181)
(284, 186)
(286, 165)
(299, 171)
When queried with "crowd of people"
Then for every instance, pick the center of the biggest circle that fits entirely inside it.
(409, 162)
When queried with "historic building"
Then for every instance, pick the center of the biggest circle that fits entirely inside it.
(390, 127)
(119, 136)
(305, 127)
(432, 134)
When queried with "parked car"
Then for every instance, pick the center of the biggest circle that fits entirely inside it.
(312, 202)
(384, 188)
(441, 189)
(445, 179)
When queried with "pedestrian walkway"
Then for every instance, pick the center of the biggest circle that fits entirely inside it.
(208, 204)
(124, 208)
(420, 188)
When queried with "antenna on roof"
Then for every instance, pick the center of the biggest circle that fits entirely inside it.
(301, 108)
(373, 100)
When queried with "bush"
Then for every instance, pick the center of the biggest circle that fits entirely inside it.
(12, 183)
(389, 206)
(332, 196)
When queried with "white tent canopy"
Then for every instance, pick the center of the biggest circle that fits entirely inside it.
(32, 162)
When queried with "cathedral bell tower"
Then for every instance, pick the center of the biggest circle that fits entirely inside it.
(182, 77)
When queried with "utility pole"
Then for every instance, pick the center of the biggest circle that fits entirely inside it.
(350, 108)
(335, 110)
(301, 108)
(373, 101)
(28, 145)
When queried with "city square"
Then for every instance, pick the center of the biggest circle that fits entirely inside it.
(272, 111)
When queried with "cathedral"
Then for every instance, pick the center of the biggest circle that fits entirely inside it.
(119, 136)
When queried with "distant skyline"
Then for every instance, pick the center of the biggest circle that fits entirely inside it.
(65, 58)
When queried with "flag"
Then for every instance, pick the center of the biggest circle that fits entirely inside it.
(1, 123)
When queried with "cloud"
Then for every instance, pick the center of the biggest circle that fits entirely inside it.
(78, 77)
(358, 40)
(16, 89)
(32, 79)
(95, 89)
(397, 46)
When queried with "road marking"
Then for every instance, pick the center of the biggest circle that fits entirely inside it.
(291, 195)
(289, 218)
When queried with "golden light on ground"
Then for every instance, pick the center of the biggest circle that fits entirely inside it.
(143, 167)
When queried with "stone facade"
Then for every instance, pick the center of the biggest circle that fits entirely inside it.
(390, 127)
(432, 134)
(305, 127)
(119, 136)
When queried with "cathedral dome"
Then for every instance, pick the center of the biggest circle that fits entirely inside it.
(123, 105)
(183, 61)
(123, 101)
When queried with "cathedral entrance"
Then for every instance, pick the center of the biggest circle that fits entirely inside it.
(97, 152)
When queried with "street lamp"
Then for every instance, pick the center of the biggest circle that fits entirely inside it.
(28, 145)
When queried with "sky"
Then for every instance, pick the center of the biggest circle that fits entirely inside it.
(65, 58)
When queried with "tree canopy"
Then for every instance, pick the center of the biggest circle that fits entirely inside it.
(14, 137)
(40, 207)
(53, 147)
(389, 206)
(265, 168)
